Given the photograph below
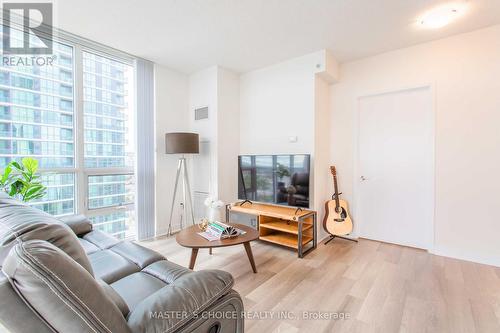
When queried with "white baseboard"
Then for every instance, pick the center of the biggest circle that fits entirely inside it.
(161, 232)
(492, 261)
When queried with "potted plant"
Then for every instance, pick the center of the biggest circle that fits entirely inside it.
(19, 180)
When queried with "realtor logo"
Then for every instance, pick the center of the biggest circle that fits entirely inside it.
(21, 35)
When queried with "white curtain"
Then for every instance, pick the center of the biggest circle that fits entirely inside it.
(145, 143)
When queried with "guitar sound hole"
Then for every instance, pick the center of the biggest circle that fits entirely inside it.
(342, 215)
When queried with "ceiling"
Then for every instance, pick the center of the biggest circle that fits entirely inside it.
(189, 35)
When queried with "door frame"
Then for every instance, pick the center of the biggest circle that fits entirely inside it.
(356, 151)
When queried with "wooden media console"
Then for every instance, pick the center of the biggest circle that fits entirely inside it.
(287, 226)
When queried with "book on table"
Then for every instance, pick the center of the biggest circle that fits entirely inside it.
(217, 230)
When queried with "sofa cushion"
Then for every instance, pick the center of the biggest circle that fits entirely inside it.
(61, 291)
(166, 271)
(115, 297)
(88, 247)
(136, 287)
(110, 266)
(100, 239)
(189, 294)
(137, 254)
(20, 222)
(80, 224)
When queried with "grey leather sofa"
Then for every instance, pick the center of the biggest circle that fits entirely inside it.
(65, 277)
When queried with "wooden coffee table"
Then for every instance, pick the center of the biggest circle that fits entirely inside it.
(189, 238)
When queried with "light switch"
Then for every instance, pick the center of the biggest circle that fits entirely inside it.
(292, 139)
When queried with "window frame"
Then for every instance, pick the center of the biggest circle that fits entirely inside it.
(80, 172)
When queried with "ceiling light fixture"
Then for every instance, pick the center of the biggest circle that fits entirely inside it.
(442, 15)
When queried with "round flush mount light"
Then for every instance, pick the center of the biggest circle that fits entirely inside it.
(442, 15)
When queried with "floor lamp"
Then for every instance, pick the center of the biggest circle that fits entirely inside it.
(182, 143)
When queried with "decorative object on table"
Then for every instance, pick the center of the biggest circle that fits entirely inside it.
(182, 143)
(214, 207)
(337, 221)
(219, 230)
(20, 180)
(203, 225)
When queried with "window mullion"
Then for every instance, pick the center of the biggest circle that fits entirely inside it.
(81, 181)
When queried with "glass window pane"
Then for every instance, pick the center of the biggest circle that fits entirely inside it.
(37, 119)
(110, 190)
(119, 224)
(36, 111)
(60, 197)
(107, 106)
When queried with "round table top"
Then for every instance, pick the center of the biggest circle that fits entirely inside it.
(189, 237)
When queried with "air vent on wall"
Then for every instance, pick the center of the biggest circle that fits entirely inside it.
(201, 113)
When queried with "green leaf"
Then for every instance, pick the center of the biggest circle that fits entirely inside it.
(6, 174)
(27, 176)
(21, 180)
(30, 164)
(33, 190)
(15, 188)
(16, 165)
(35, 196)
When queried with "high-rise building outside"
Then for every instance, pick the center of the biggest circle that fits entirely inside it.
(41, 117)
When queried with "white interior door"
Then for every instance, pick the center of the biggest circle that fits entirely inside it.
(396, 167)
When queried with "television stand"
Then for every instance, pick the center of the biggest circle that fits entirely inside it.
(286, 226)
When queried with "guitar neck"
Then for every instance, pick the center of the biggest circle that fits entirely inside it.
(335, 186)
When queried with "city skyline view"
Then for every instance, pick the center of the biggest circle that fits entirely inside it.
(75, 117)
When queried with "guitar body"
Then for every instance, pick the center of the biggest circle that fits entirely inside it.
(337, 222)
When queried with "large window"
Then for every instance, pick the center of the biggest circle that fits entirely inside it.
(76, 118)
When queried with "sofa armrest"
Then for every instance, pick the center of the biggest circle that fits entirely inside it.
(178, 303)
(80, 224)
(60, 291)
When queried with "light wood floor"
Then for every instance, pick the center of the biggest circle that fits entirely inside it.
(383, 287)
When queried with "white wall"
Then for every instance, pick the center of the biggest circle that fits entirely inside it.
(228, 134)
(322, 185)
(277, 102)
(203, 92)
(463, 71)
(171, 105)
(291, 99)
(218, 88)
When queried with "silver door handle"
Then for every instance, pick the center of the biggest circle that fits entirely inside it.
(362, 178)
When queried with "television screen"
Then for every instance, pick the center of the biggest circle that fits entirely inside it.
(277, 179)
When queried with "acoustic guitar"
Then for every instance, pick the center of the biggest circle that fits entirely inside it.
(337, 221)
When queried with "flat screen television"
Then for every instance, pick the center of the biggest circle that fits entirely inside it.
(276, 179)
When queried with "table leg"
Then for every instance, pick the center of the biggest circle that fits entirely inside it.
(250, 256)
(210, 251)
(194, 253)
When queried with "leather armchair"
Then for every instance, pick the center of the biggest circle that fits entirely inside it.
(63, 276)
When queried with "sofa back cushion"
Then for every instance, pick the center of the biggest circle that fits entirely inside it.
(61, 291)
(20, 222)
